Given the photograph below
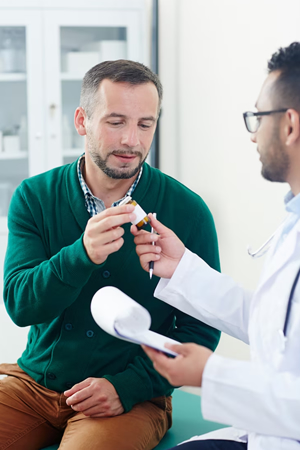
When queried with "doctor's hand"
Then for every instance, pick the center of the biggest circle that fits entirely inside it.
(94, 397)
(186, 369)
(103, 233)
(167, 252)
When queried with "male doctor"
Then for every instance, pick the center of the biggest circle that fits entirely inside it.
(261, 397)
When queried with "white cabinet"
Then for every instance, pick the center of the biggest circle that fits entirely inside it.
(74, 42)
(45, 49)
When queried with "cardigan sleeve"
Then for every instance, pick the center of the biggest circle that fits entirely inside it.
(30, 275)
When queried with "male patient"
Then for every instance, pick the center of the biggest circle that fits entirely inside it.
(68, 237)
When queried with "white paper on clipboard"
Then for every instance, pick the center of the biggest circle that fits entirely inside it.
(122, 317)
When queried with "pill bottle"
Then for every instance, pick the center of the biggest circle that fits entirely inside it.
(141, 217)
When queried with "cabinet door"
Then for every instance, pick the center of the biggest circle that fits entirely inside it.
(75, 41)
(21, 125)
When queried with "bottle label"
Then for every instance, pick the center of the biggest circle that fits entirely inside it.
(140, 214)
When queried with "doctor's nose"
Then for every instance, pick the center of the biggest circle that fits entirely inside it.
(253, 137)
(130, 137)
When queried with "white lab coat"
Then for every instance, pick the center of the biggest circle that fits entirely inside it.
(261, 396)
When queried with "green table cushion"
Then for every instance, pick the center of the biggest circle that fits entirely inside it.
(187, 421)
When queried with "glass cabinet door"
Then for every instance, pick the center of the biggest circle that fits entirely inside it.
(20, 106)
(13, 112)
(82, 40)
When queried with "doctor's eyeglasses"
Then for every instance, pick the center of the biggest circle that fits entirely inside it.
(252, 119)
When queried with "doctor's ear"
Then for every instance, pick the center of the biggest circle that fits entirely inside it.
(79, 121)
(292, 127)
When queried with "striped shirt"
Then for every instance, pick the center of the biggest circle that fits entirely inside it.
(95, 205)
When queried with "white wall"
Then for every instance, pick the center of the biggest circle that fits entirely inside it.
(213, 59)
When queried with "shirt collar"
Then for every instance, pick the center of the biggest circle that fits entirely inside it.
(292, 203)
(87, 192)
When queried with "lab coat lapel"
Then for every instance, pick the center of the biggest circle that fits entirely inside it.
(282, 255)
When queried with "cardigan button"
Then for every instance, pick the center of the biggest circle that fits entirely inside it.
(89, 333)
(51, 376)
(106, 274)
(68, 326)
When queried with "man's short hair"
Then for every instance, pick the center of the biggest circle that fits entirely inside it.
(287, 87)
(121, 70)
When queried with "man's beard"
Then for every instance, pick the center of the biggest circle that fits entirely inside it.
(276, 169)
(116, 173)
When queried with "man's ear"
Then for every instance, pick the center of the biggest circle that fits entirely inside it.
(292, 127)
(80, 120)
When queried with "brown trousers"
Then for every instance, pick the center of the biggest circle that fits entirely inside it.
(33, 417)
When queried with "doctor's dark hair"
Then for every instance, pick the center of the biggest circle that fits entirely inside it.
(287, 86)
(119, 71)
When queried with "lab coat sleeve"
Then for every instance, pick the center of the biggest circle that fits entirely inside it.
(250, 395)
(202, 292)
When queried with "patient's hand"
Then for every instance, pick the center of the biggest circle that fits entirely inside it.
(94, 397)
(104, 231)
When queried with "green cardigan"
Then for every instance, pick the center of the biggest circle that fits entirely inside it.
(49, 282)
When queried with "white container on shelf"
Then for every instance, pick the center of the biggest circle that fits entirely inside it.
(1, 63)
(112, 50)
(8, 60)
(11, 144)
(23, 133)
(81, 62)
(93, 46)
(5, 193)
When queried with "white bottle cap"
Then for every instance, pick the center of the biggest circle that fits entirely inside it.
(125, 200)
